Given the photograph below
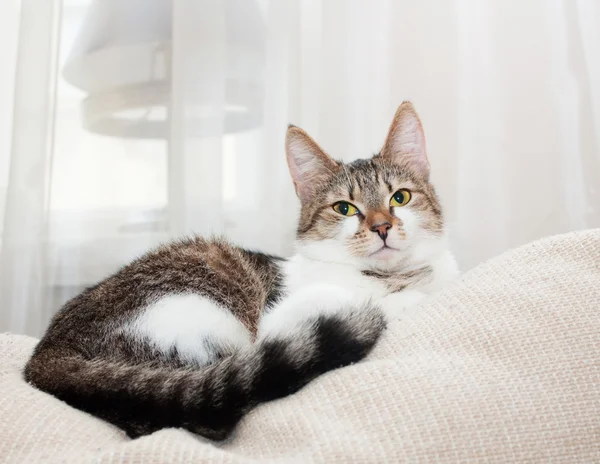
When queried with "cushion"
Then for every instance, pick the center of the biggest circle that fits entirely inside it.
(503, 366)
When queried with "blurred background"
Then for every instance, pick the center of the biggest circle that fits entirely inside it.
(124, 123)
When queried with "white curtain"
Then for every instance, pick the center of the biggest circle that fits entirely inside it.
(124, 124)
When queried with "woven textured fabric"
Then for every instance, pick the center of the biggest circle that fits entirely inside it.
(502, 367)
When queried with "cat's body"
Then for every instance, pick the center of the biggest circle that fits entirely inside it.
(197, 332)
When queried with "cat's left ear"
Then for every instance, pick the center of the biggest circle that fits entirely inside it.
(405, 142)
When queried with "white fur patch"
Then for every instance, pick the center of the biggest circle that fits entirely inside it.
(410, 220)
(445, 271)
(187, 322)
(350, 226)
(311, 268)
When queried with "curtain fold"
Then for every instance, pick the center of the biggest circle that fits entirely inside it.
(198, 85)
(23, 278)
(509, 94)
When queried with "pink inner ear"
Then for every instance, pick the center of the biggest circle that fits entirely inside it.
(409, 138)
(406, 141)
(302, 164)
(301, 181)
(297, 178)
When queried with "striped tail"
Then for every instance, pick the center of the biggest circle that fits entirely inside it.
(211, 400)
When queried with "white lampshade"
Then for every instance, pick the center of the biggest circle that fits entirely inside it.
(122, 60)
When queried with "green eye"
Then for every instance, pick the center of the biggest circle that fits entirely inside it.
(400, 198)
(345, 209)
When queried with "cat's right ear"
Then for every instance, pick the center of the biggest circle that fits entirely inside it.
(309, 164)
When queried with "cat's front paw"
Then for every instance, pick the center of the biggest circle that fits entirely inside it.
(301, 305)
(401, 303)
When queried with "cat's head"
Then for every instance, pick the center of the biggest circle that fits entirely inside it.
(380, 213)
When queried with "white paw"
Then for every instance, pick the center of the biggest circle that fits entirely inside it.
(400, 303)
(308, 302)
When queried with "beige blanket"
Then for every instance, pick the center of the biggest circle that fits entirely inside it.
(503, 367)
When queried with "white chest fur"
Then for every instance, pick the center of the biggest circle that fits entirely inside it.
(315, 287)
(301, 272)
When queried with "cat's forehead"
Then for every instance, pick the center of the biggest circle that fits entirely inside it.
(369, 180)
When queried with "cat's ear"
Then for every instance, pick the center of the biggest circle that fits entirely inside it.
(308, 163)
(405, 143)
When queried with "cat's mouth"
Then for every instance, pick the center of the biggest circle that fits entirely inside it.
(384, 252)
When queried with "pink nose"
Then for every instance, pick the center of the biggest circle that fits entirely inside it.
(381, 229)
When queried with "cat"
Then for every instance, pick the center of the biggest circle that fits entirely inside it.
(197, 332)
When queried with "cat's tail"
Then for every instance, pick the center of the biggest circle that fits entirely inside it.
(210, 400)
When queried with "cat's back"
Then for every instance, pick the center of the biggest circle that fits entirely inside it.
(241, 280)
(212, 267)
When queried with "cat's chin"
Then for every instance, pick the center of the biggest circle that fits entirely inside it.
(385, 254)
(385, 259)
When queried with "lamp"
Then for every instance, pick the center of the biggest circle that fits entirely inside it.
(122, 59)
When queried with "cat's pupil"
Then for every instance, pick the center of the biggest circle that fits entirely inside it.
(399, 197)
(344, 207)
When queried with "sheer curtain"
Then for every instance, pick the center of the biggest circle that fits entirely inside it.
(123, 124)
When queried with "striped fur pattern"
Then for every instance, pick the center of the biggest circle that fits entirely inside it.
(197, 332)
